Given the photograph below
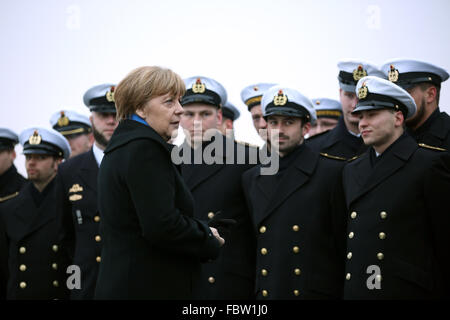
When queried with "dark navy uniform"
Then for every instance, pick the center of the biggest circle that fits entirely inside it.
(10, 182)
(297, 214)
(398, 245)
(435, 131)
(217, 187)
(338, 142)
(77, 203)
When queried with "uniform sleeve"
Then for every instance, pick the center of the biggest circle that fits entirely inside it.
(437, 191)
(152, 186)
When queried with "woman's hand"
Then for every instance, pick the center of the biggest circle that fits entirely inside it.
(217, 235)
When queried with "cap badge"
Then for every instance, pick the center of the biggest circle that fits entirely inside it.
(110, 94)
(255, 88)
(363, 91)
(35, 138)
(318, 102)
(63, 120)
(76, 188)
(280, 99)
(198, 86)
(359, 73)
(393, 74)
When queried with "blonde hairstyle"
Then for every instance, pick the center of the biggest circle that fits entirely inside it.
(143, 84)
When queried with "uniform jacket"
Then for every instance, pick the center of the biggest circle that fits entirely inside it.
(76, 187)
(152, 247)
(435, 131)
(217, 187)
(37, 262)
(398, 220)
(300, 231)
(10, 183)
(337, 142)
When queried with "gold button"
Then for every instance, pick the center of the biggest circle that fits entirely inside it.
(56, 283)
(262, 229)
(295, 228)
(23, 285)
(98, 259)
(295, 249)
(54, 266)
(97, 218)
(383, 215)
(265, 293)
(296, 293)
(22, 267)
(380, 256)
(382, 235)
(22, 250)
(351, 235)
(297, 271)
(348, 276)
(353, 215)
(378, 278)
(55, 248)
(264, 272)
(211, 280)
(211, 215)
(263, 251)
(98, 238)
(349, 255)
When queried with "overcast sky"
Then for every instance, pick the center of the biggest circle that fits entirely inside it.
(54, 50)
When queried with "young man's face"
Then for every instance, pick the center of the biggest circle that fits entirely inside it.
(290, 130)
(378, 127)
(6, 159)
(199, 121)
(258, 121)
(80, 143)
(348, 102)
(41, 167)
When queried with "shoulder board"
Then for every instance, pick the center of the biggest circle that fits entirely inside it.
(423, 145)
(353, 158)
(332, 157)
(246, 144)
(3, 199)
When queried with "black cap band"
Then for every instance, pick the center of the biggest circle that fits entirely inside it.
(290, 109)
(409, 79)
(208, 97)
(73, 128)
(7, 144)
(227, 113)
(378, 100)
(42, 148)
(347, 78)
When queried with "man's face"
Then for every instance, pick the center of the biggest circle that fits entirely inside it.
(200, 120)
(80, 143)
(6, 160)
(103, 126)
(258, 121)
(290, 132)
(226, 127)
(325, 124)
(378, 127)
(41, 167)
(419, 98)
(348, 102)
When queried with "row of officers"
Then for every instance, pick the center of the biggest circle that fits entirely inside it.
(368, 192)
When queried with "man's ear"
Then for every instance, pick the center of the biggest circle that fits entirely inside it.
(306, 127)
(219, 116)
(399, 118)
(430, 94)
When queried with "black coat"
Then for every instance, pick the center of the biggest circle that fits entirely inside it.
(152, 247)
(297, 215)
(10, 183)
(338, 142)
(76, 187)
(36, 259)
(217, 187)
(435, 131)
(398, 220)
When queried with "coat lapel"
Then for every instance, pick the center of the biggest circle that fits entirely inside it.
(393, 160)
(294, 178)
(89, 171)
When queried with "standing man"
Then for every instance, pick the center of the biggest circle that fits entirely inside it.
(76, 128)
(328, 113)
(217, 190)
(251, 96)
(297, 213)
(37, 262)
(344, 140)
(423, 81)
(10, 183)
(398, 241)
(77, 191)
(229, 114)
